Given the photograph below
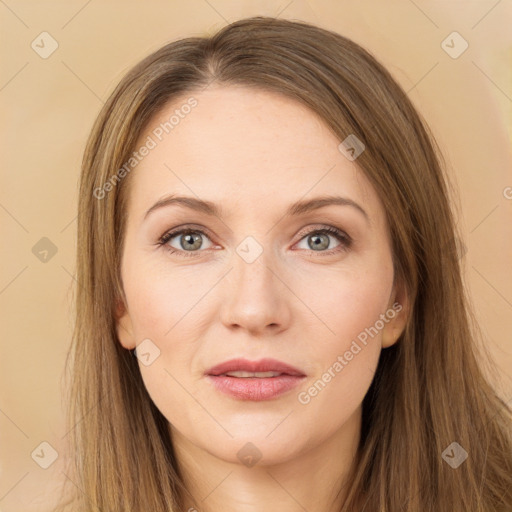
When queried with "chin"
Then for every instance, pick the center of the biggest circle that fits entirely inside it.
(249, 448)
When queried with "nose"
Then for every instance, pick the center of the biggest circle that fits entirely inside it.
(257, 300)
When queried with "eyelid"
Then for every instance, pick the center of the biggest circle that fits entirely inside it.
(315, 228)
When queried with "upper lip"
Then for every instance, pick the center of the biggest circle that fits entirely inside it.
(263, 365)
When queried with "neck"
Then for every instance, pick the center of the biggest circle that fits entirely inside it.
(311, 480)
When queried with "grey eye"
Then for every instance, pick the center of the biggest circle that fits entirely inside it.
(188, 241)
(318, 241)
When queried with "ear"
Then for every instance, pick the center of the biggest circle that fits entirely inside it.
(124, 327)
(397, 315)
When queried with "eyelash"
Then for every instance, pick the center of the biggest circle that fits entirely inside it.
(342, 237)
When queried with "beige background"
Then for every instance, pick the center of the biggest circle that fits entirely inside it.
(48, 106)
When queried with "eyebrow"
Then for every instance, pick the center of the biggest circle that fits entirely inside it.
(297, 208)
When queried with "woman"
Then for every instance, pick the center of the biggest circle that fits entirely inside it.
(270, 310)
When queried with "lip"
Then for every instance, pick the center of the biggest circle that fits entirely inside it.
(263, 365)
(254, 388)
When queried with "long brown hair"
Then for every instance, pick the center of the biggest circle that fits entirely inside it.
(429, 390)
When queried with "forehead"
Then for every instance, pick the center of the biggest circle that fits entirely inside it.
(246, 148)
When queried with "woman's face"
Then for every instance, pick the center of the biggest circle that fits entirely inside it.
(255, 278)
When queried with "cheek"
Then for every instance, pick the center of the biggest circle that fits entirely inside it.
(345, 363)
(346, 358)
(352, 301)
(162, 310)
(166, 308)
(336, 394)
(160, 300)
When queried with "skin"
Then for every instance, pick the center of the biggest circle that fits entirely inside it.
(294, 304)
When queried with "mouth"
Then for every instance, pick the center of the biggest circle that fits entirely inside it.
(254, 380)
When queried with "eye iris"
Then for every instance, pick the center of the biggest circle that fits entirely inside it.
(193, 239)
(318, 243)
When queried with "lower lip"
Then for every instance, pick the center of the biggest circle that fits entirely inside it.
(253, 388)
